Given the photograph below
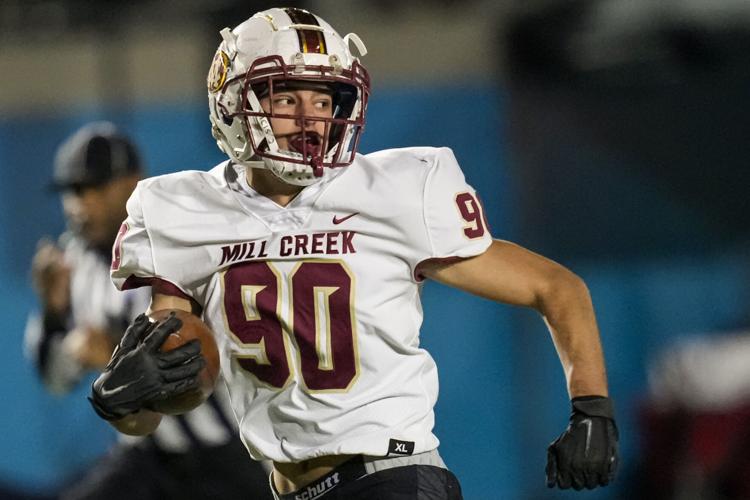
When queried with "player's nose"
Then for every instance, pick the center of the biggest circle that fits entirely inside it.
(305, 108)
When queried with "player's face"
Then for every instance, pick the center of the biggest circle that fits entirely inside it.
(96, 212)
(310, 103)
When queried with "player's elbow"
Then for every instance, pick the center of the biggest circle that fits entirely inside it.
(560, 286)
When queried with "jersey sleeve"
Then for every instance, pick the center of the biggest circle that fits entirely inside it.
(133, 264)
(132, 254)
(454, 219)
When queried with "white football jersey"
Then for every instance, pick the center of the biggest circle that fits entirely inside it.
(315, 306)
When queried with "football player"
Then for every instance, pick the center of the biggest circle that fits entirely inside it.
(83, 318)
(306, 259)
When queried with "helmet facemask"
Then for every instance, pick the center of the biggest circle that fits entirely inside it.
(309, 153)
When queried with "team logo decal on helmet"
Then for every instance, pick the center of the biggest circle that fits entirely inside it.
(217, 75)
(285, 50)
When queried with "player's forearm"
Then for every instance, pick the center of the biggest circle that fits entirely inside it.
(569, 314)
(140, 423)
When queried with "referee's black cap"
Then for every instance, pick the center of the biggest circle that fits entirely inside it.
(94, 155)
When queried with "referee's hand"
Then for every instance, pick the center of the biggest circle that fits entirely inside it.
(50, 275)
(586, 454)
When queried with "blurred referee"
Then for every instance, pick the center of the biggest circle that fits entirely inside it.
(193, 456)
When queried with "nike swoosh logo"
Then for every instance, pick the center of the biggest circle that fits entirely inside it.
(111, 392)
(587, 423)
(336, 220)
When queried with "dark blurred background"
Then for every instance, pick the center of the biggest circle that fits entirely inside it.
(609, 135)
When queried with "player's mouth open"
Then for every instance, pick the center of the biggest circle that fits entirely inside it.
(309, 143)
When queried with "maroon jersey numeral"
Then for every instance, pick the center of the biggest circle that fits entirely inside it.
(252, 308)
(323, 324)
(471, 211)
(320, 321)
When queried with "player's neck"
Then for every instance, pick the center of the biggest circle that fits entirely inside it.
(267, 184)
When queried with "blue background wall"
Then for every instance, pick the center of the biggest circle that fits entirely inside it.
(502, 396)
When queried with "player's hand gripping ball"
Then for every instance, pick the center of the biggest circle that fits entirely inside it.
(192, 328)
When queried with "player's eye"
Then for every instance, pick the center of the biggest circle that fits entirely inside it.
(283, 101)
(323, 104)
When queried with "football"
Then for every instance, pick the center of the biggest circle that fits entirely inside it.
(192, 328)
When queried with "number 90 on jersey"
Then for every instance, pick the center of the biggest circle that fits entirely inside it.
(321, 323)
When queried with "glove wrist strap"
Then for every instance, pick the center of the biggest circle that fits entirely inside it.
(594, 406)
(102, 412)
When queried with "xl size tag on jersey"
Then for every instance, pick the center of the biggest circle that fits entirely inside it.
(396, 447)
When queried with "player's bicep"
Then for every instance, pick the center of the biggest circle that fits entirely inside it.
(505, 272)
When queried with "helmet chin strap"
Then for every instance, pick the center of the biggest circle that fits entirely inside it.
(291, 173)
(287, 172)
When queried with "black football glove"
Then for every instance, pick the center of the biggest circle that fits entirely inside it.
(139, 373)
(586, 454)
